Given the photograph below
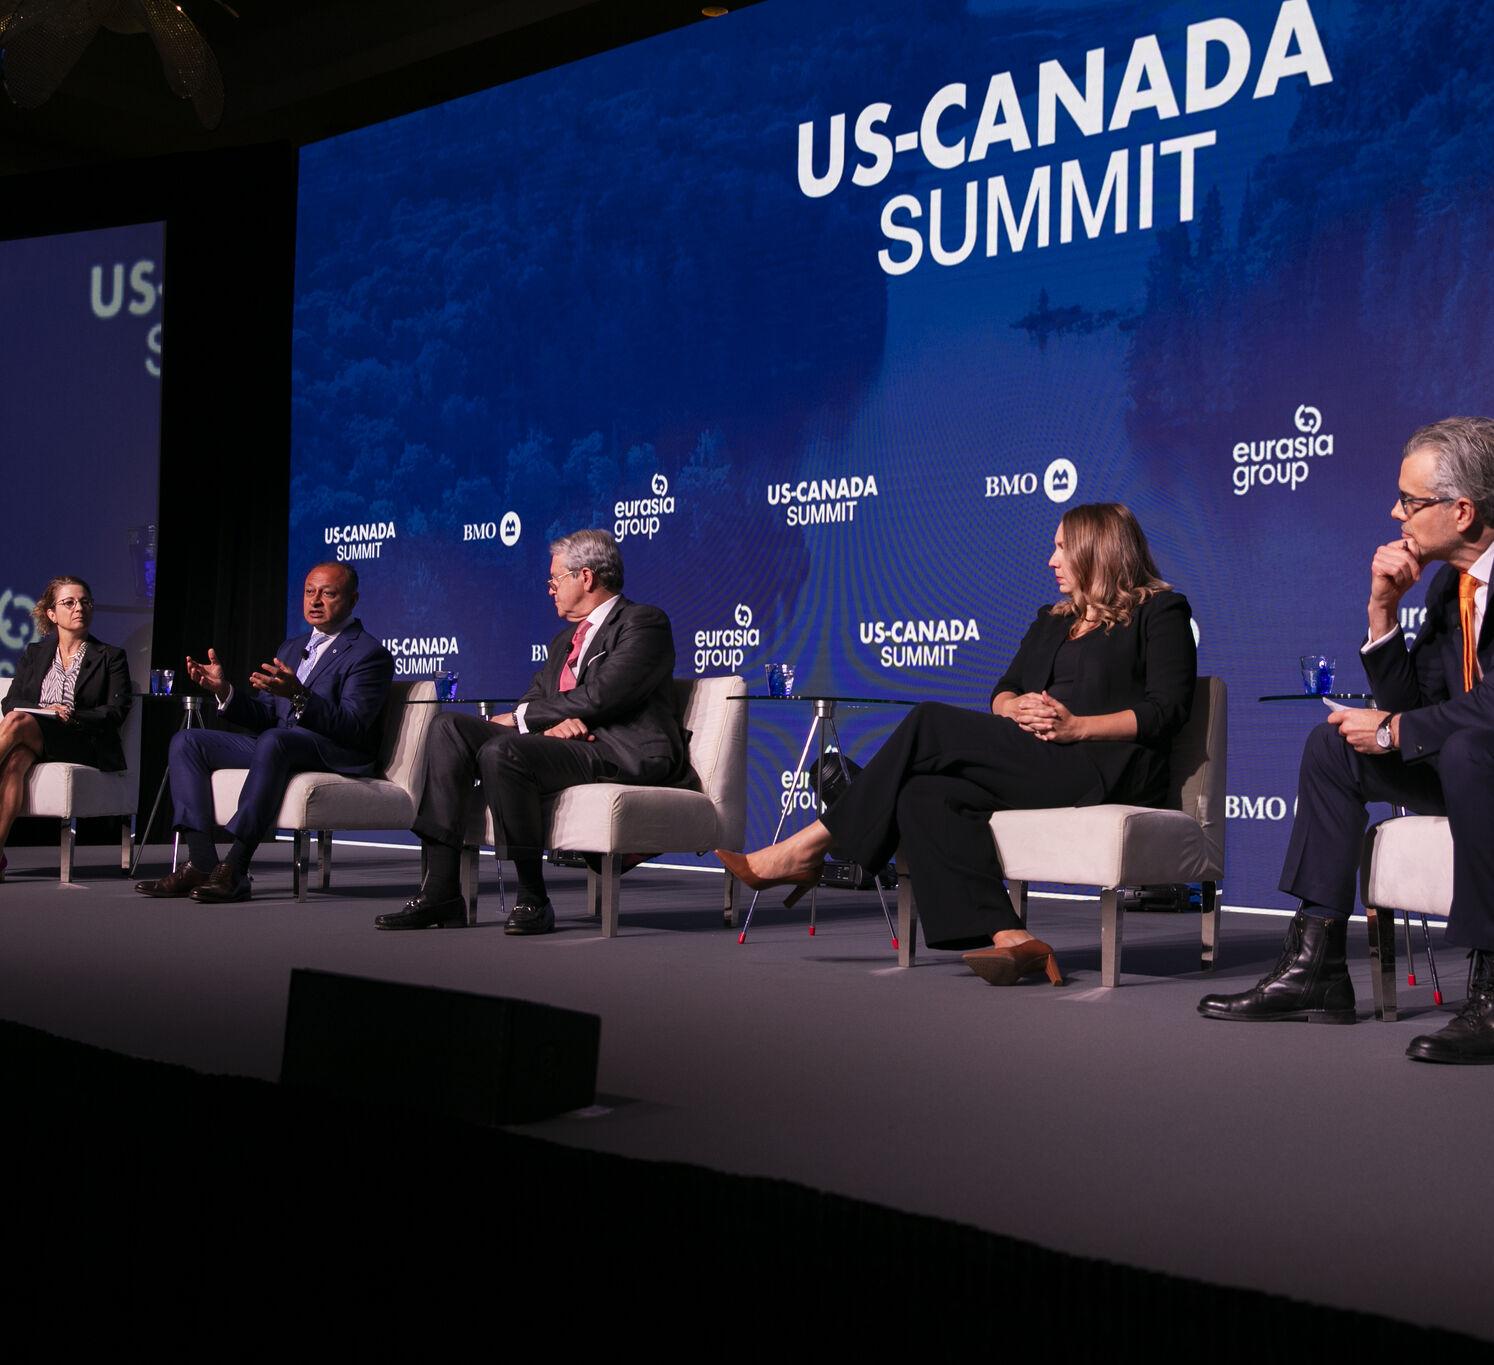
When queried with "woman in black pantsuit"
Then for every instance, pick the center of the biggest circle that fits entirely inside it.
(1085, 714)
(77, 689)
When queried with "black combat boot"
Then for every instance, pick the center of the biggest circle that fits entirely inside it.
(1310, 983)
(1469, 1039)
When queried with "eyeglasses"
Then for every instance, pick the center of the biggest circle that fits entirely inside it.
(68, 603)
(1410, 504)
(553, 584)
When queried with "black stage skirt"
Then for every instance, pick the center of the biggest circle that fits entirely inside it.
(66, 743)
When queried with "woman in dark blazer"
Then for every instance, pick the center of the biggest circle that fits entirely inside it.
(68, 699)
(1084, 714)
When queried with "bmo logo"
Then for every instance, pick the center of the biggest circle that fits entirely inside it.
(1059, 482)
(1258, 808)
(506, 530)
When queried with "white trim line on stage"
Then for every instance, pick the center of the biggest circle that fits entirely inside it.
(691, 867)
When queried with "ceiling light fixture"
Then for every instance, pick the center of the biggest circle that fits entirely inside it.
(43, 39)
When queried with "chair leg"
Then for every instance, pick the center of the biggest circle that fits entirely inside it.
(467, 874)
(1426, 938)
(324, 857)
(1382, 961)
(594, 892)
(300, 862)
(67, 842)
(1018, 893)
(907, 919)
(126, 844)
(730, 914)
(1112, 924)
(611, 876)
(1209, 924)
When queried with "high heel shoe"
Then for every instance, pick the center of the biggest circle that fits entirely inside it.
(736, 864)
(1007, 966)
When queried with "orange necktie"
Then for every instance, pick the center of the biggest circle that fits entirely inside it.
(1467, 586)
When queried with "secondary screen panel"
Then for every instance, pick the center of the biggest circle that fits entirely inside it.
(81, 429)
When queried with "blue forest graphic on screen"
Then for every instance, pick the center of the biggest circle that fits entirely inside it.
(828, 314)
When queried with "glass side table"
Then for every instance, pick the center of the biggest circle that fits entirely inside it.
(822, 728)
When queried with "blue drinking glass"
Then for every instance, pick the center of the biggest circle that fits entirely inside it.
(1317, 674)
(780, 679)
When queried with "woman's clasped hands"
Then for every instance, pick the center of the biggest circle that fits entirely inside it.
(1046, 717)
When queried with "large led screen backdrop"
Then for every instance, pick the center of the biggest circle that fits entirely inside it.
(80, 428)
(829, 311)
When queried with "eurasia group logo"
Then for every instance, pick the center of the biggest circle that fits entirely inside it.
(1284, 460)
(1060, 482)
(16, 626)
(640, 516)
(727, 648)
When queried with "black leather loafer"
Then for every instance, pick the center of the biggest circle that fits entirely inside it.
(426, 912)
(528, 918)
(183, 882)
(224, 884)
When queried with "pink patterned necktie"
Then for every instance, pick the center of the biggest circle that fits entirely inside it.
(568, 669)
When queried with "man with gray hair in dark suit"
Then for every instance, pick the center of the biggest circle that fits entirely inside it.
(602, 709)
(1431, 750)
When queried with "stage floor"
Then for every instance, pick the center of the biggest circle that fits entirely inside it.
(1314, 1162)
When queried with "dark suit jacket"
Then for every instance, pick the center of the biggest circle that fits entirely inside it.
(1149, 667)
(624, 693)
(101, 697)
(348, 687)
(1425, 682)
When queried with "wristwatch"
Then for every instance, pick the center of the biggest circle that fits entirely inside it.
(1382, 735)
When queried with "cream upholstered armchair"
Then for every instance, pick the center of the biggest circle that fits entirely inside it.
(1114, 846)
(1407, 866)
(614, 819)
(70, 792)
(323, 802)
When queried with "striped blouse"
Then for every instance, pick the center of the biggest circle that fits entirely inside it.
(57, 687)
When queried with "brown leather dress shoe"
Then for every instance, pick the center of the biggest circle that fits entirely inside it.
(224, 883)
(183, 882)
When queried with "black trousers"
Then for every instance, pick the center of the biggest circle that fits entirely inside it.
(517, 772)
(1335, 785)
(931, 789)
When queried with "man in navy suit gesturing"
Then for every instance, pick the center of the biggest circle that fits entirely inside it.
(315, 708)
(1432, 750)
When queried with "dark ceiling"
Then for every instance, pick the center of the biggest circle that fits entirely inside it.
(299, 70)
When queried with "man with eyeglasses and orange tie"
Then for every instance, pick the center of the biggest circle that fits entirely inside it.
(602, 709)
(1431, 751)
